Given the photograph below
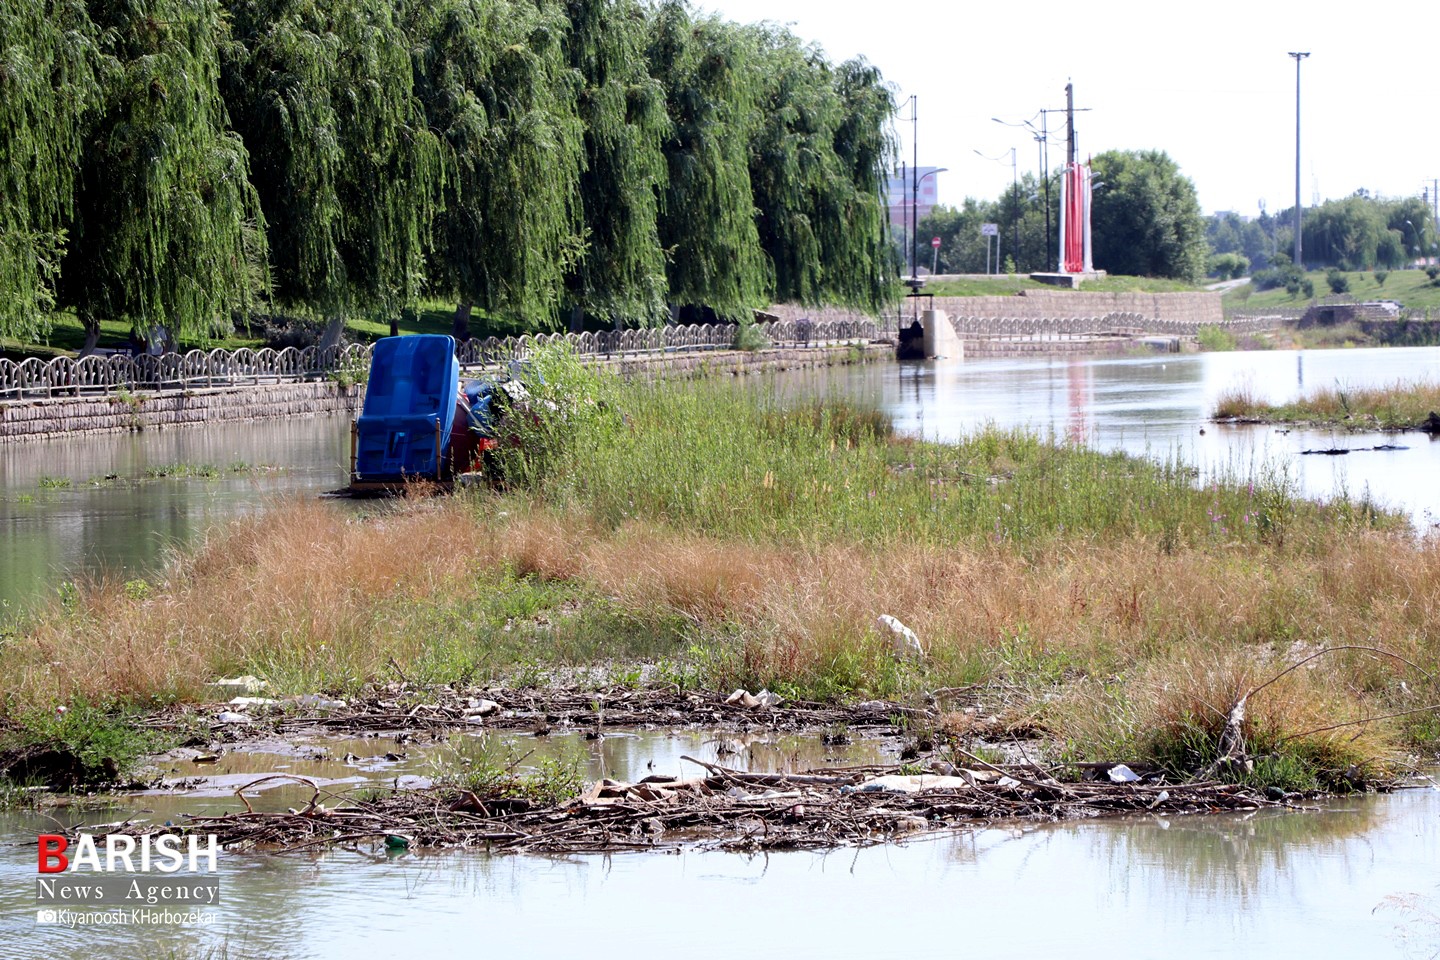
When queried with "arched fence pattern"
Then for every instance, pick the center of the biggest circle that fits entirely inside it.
(199, 369)
(1118, 323)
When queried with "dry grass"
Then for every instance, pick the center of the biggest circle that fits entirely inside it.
(744, 544)
(314, 594)
(1399, 405)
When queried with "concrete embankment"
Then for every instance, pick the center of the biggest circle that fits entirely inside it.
(48, 417)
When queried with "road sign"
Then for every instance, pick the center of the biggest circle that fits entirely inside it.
(935, 242)
(989, 229)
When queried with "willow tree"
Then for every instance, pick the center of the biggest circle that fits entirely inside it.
(707, 224)
(348, 172)
(48, 86)
(165, 230)
(799, 187)
(861, 269)
(620, 273)
(493, 78)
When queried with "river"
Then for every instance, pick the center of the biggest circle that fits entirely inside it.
(1357, 877)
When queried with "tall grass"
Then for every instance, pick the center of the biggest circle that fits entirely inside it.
(1399, 405)
(736, 539)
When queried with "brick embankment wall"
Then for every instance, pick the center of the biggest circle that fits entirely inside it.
(1200, 307)
(22, 419)
(1082, 347)
(44, 418)
(710, 362)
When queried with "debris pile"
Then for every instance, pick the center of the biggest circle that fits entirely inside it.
(719, 809)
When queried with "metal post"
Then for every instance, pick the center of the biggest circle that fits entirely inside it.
(1014, 210)
(1299, 262)
(914, 181)
(1045, 175)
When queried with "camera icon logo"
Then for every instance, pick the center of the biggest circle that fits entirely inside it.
(46, 916)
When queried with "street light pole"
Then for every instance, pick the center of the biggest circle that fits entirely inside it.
(915, 238)
(1014, 201)
(1298, 57)
(914, 184)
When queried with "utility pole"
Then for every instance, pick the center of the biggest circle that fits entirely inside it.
(914, 184)
(1070, 124)
(1298, 57)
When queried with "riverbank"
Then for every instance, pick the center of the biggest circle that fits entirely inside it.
(158, 410)
(702, 538)
(1400, 406)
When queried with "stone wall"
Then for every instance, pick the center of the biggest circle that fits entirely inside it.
(1200, 307)
(22, 419)
(1197, 308)
(41, 418)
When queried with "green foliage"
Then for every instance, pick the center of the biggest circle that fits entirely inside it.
(707, 224)
(708, 457)
(1146, 220)
(817, 212)
(172, 163)
(571, 405)
(494, 773)
(748, 336)
(48, 84)
(1337, 281)
(1020, 212)
(620, 274)
(167, 227)
(1253, 240)
(1215, 338)
(347, 169)
(1362, 232)
(80, 746)
(1225, 266)
(494, 82)
(1381, 276)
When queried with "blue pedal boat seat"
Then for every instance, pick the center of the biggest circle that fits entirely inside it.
(409, 408)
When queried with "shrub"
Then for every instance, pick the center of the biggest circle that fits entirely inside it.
(1215, 338)
(1339, 283)
(1307, 287)
(748, 336)
(1228, 265)
(1381, 276)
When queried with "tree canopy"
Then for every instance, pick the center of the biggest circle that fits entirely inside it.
(173, 162)
(1145, 217)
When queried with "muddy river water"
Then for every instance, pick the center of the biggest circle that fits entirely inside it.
(1357, 877)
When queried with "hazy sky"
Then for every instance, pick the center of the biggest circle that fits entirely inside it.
(1210, 84)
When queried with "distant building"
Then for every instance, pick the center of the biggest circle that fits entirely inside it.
(898, 195)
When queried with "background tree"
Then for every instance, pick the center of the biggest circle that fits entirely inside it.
(166, 230)
(707, 223)
(348, 172)
(815, 160)
(619, 274)
(494, 81)
(860, 271)
(48, 89)
(1146, 218)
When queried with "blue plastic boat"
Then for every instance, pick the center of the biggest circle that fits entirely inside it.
(403, 432)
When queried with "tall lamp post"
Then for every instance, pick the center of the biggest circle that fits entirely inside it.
(1014, 199)
(1042, 139)
(1299, 263)
(915, 216)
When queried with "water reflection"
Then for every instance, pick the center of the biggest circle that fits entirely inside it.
(62, 518)
(1158, 405)
(1267, 885)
